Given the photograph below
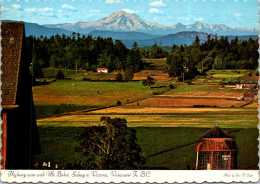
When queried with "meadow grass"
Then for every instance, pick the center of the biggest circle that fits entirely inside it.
(69, 95)
(197, 90)
(158, 63)
(58, 146)
(179, 117)
(225, 76)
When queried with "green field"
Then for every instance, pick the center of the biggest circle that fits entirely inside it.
(69, 95)
(159, 64)
(227, 76)
(167, 135)
(58, 145)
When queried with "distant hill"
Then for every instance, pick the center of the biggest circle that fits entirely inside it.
(38, 30)
(181, 38)
(129, 35)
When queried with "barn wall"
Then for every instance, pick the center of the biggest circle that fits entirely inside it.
(3, 139)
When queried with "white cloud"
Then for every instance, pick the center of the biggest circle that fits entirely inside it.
(113, 1)
(198, 18)
(46, 9)
(16, 6)
(157, 3)
(237, 14)
(95, 11)
(4, 9)
(155, 11)
(66, 6)
(59, 10)
(183, 18)
(30, 10)
(26, 0)
(128, 11)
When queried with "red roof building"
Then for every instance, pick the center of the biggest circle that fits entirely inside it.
(216, 149)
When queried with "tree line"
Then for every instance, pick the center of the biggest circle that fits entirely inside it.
(84, 52)
(214, 53)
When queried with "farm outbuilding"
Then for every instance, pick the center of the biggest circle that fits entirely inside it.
(216, 149)
(247, 86)
(102, 70)
(19, 137)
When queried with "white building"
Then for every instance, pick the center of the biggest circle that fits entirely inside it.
(102, 70)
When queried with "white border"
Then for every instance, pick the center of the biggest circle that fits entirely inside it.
(134, 176)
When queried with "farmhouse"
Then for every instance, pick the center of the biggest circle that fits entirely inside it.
(19, 130)
(102, 70)
(216, 149)
(247, 86)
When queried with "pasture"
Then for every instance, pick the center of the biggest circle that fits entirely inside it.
(158, 75)
(189, 102)
(168, 148)
(227, 76)
(167, 126)
(200, 90)
(68, 95)
(158, 64)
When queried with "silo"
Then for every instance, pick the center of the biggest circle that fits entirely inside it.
(216, 149)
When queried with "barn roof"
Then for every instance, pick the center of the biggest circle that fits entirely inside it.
(12, 36)
(216, 132)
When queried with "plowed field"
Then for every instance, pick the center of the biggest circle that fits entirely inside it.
(189, 102)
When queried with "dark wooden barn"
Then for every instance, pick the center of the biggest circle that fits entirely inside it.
(19, 137)
(216, 149)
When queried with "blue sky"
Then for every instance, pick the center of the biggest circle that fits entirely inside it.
(239, 13)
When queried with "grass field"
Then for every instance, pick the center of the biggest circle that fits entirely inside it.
(69, 95)
(158, 75)
(162, 117)
(227, 76)
(164, 123)
(213, 91)
(189, 102)
(159, 64)
(58, 146)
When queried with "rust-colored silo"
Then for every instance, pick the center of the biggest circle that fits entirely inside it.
(216, 149)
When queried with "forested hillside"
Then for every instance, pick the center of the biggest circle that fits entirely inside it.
(213, 54)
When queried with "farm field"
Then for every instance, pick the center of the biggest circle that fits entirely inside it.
(161, 117)
(199, 90)
(158, 75)
(68, 95)
(171, 122)
(227, 76)
(189, 102)
(128, 110)
(168, 148)
(159, 64)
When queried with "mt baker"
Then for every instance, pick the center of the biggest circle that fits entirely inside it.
(121, 21)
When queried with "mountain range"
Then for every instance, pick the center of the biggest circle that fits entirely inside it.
(130, 27)
(121, 21)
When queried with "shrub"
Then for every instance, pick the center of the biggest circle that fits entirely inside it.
(171, 86)
(119, 103)
(119, 76)
(60, 75)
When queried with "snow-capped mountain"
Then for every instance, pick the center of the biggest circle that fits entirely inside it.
(118, 21)
(220, 29)
(121, 21)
